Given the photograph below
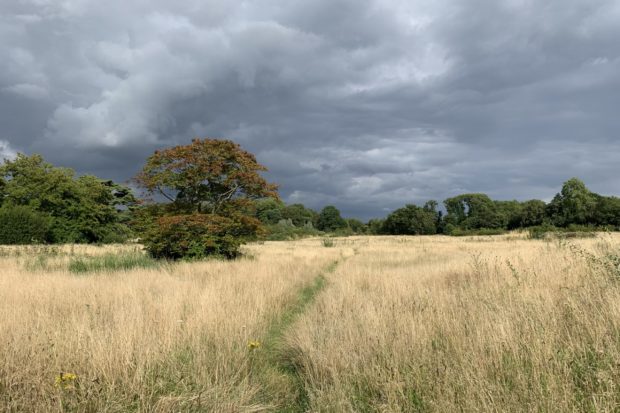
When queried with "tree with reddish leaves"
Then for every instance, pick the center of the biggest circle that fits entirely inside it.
(205, 176)
(210, 184)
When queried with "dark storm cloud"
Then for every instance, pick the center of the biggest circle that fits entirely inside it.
(364, 104)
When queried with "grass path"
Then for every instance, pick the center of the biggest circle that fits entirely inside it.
(274, 366)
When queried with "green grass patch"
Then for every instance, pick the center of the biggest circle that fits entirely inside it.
(111, 262)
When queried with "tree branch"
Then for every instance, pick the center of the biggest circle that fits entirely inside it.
(169, 198)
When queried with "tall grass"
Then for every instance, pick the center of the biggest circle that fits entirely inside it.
(401, 324)
(170, 338)
(437, 325)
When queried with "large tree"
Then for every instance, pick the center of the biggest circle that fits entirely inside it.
(574, 204)
(330, 219)
(472, 211)
(607, 211)
(510, 213)
(299, 214)
(412, 220)
(532, 213)
(269, 210)
(206, 176)
(211, 185)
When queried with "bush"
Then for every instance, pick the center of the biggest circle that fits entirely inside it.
(283, 232)
(199, 236)
(540, 231)
(572, 231)
(459, 232)
(22, 225)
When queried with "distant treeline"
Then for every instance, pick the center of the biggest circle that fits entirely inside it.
(575, 206)
(42, 203)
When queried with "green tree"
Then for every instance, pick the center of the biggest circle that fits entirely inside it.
(574, 204)
(269, 211)
(356, 226)
(212, 186)
(412, 220)
(607, 211)
(532, 213)
(330, 219)
(472, 211)
(84, 209)
(510, 213)
(375, 226)
(299, 214)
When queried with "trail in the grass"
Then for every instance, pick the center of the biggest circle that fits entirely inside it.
(277, 371)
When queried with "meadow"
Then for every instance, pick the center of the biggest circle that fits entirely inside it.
(357, 324)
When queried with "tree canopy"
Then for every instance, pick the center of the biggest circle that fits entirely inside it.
(205, 176)
(412, 220)
(473, 211)
(330, 219)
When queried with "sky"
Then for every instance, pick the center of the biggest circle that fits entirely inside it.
(366, 105)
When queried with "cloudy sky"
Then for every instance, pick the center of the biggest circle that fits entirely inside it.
(364, 104)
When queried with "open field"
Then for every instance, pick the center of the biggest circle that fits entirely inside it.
(385, 324)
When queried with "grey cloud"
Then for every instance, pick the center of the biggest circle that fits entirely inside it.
(6, 152)
(363, 104)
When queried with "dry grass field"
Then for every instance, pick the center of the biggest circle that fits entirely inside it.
(369, 324)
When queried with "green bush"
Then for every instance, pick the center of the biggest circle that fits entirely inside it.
(572, 231)
(540, 231)
(284, 232)
(459, 232)
(198, 236)
(21, 225)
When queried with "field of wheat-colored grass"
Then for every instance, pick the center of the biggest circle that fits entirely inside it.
(476, 324)
(169, 338)
(360, 324)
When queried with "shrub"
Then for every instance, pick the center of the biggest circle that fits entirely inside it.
(283, 232)
(572, 231)
(22, 225)
(540, 231)
(459, 232)
(198, 236)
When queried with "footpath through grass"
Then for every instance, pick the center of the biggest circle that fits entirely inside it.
(274, 364)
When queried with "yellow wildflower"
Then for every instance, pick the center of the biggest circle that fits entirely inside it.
(65, 380)
(253, 345)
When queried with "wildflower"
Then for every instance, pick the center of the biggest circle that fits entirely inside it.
(65, 380)
(253, 345)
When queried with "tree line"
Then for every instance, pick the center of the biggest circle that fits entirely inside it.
(209, 197)
(574, 206)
